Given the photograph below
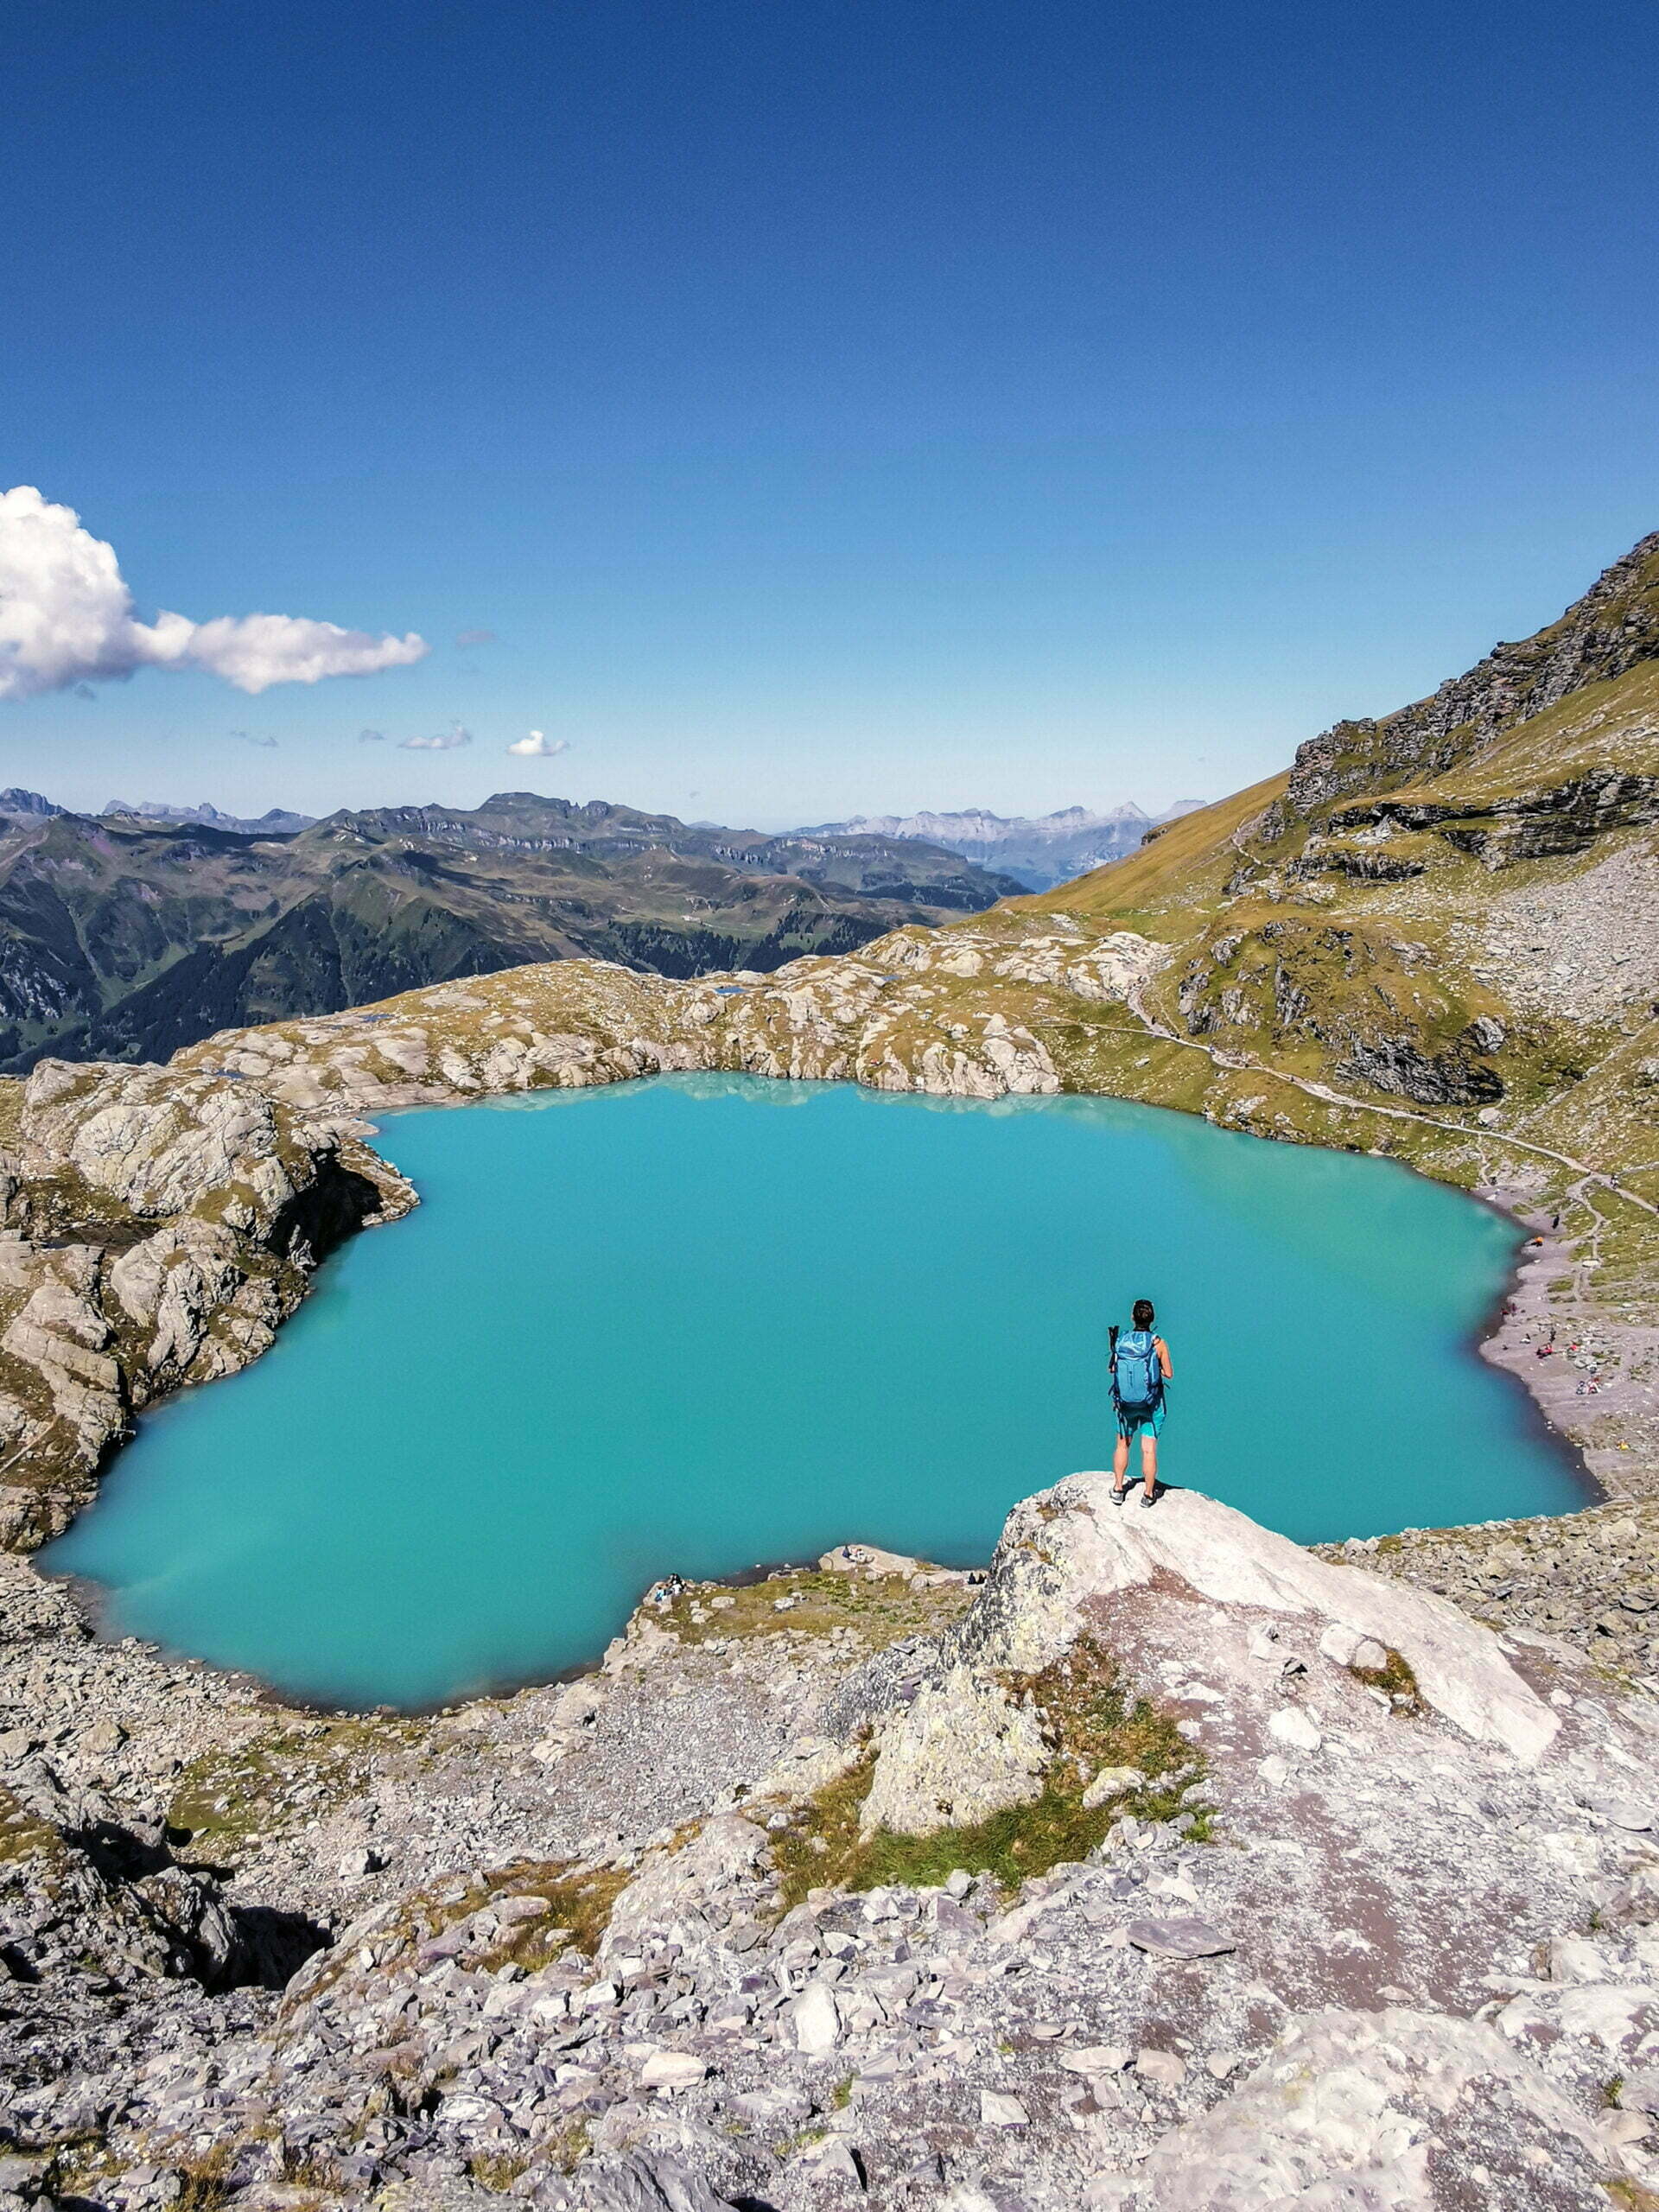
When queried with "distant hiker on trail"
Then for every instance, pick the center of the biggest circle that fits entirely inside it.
(1140, 1368)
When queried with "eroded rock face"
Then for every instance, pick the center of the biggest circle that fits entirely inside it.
(160, 1228)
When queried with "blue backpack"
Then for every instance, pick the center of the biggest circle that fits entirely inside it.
(1137, 1374)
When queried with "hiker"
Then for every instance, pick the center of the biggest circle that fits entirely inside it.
(1140, 1368)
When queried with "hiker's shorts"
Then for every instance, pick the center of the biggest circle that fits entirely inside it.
(1130, 1418)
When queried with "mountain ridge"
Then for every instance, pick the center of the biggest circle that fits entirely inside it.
(124, 937)
(274, 821)
(1042, 850)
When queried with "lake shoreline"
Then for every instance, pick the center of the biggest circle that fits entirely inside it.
(1520, 1302)
(94, 1602)
(1502, 1341)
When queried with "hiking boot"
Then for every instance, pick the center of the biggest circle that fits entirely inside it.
(1118, 1496)
(1147, 1498)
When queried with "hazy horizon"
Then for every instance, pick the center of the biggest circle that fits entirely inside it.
(769, 825)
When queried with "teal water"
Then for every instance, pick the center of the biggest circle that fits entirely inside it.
(701, 1322)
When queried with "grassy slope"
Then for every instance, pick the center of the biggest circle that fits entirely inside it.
(1407, 956)
(1159, 891)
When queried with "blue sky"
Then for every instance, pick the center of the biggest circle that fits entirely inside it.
(825, 406)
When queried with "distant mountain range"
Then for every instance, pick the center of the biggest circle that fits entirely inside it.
(130, 934)
(1039, 850)
(276, 822)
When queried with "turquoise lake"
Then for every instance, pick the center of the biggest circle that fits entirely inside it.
(702, 1322)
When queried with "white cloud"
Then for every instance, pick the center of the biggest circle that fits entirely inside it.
(538, 747)
(66, 619)
(447, 742)
(256, 651)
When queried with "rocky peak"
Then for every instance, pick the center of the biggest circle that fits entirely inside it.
(1608, 631)
(13, 800)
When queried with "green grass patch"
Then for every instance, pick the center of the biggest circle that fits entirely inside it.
(581, 1912)
(1088, 1720)
(204, 2179)
(1397, 1681)
(292, 1774)
(495, 2171)
(22, 1836)
(880, 1610)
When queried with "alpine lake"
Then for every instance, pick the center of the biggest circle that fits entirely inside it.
(698, 1323)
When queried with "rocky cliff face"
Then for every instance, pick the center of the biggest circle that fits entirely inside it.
(1611, 630)
(1164, 1865)
(157, 1230)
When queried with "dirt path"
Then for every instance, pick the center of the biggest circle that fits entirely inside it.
(1333, 1097)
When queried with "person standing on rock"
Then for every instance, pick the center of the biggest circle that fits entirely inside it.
(1140, 1368)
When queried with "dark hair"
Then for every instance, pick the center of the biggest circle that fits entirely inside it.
(1143, 1315)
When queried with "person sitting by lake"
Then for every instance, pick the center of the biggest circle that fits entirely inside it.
(1140, 1368)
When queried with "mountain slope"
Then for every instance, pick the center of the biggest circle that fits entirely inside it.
(127, 939)
(1381, 912)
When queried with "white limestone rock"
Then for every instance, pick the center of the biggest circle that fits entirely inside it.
(1068, 1544)
(1349, 1647)
(960, 1751)
(1291, 1726)
(1408, 2111)
(816, 2019)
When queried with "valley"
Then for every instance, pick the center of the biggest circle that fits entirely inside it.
(125, 937)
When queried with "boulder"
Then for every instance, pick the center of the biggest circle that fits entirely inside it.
(816, 2018)
(1411, 2111)
(1068, 1545)
(1349, 1647)
(961, 1750)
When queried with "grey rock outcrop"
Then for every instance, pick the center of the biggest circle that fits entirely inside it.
(157, 1228)
(963, 1745)
(1394, 2108)
(1612, 628)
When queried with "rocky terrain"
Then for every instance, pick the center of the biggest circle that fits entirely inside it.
(127, 936)
(1588, 1579)
(154, 1229)
(1164, 1866)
